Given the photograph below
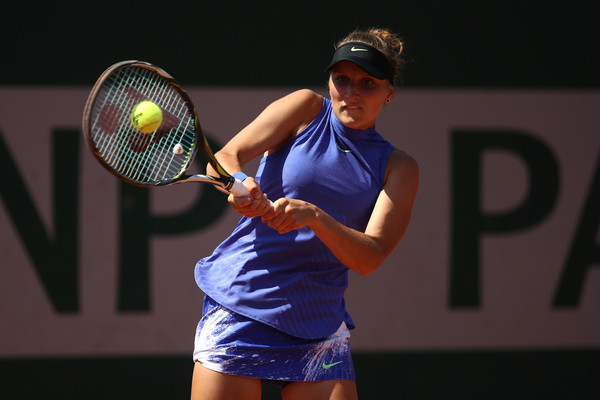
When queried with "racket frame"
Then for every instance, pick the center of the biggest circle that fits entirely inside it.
(224, 182)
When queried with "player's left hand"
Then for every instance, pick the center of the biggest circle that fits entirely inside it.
(290, 214)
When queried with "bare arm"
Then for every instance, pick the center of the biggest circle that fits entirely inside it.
(362, 252)
(274, 127)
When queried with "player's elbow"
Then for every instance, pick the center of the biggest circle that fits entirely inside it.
(367, 265)
(371, 257)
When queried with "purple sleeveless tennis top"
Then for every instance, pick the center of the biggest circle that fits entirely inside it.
(293, 282)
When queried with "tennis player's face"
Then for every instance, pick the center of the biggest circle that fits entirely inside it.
(356, 96)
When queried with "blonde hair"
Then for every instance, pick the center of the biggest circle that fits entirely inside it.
(388, 43)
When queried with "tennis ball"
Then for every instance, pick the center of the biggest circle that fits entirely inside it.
(178, 149)
(146, 117)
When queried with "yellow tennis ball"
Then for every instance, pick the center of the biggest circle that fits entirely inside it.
(146, 116)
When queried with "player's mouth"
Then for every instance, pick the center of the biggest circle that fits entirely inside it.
(351, 107)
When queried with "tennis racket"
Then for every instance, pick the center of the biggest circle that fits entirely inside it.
(157, 157)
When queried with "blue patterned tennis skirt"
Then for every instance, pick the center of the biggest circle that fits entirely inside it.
(232, 344)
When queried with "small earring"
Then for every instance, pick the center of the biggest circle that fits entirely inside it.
(387, 100)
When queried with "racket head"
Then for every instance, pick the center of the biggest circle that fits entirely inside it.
(142, 159)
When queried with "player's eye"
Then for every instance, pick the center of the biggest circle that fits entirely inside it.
(368, 82)
(340, 78)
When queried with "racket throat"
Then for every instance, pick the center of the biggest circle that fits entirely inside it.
(223, 182)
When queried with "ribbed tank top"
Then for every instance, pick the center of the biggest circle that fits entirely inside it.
(292, 281)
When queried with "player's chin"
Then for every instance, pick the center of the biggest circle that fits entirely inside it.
(354, 118)
(353, 122)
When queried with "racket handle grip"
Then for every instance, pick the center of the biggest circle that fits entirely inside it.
(239, 189)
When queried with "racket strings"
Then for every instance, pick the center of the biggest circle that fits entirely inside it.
(144, 158)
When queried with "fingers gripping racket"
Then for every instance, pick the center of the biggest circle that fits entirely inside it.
(142, 126)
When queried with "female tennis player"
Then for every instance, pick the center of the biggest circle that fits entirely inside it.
(342, 199)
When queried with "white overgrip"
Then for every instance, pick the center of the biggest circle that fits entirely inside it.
(239, 189)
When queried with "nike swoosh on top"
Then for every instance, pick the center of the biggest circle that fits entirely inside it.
(354, 48)
(327, 366)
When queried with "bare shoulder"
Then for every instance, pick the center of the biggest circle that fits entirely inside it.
(306, 95)
(401, 163)
(307, 104)
(401, 176)
(307, 100)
